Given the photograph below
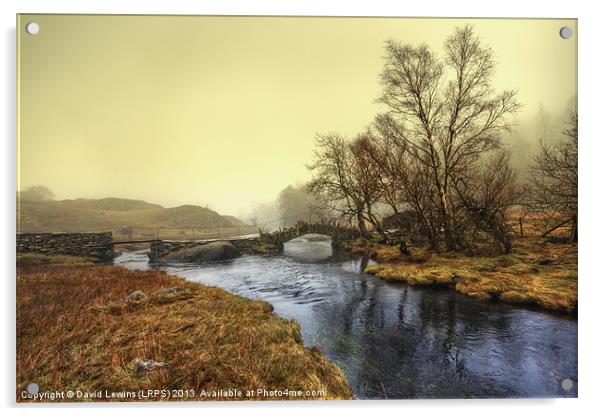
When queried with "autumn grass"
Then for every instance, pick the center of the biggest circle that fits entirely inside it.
(37, 259)
(535, 273)
(75, 332)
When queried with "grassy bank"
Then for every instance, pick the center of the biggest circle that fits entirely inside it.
(534, 274)
(36, 259)
(75, 331)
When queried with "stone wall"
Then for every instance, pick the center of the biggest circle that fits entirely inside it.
(96, 245)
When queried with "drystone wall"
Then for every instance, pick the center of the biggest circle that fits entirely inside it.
(95, 245)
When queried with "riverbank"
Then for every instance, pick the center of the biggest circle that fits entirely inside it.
(86, 328)
(542, 275)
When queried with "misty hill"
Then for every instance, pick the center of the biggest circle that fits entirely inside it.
(193, 216)
(108, 204)
(75, 215)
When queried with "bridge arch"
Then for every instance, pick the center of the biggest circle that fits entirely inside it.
(337, 232)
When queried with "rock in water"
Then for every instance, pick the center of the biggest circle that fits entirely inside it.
(136, 296)
(218, 250)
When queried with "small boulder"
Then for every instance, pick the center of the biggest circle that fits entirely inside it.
(214, 251)
(546, 261)
(136, 296)
(172, 291)
(142, 366)
(116, 306)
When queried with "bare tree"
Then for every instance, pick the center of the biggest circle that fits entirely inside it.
(333, 180)
(367, 178)
(444, 122)
(347, 179)
(486, 194)
(405, 187)
(554, 178)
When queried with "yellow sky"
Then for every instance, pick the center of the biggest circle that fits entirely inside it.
(223, 110)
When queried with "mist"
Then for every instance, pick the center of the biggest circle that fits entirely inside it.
(541, 124)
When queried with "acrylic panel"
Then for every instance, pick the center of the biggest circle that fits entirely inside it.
(306, 208)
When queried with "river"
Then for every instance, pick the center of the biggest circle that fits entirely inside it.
(397, 341)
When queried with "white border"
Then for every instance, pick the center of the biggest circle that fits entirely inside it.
(590, 184)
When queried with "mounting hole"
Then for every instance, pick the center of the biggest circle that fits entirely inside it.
(566, 384)
(566, 32)
(32, 28)
(33, 388)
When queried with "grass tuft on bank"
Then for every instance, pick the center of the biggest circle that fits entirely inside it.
(540, 275)
(75, 331)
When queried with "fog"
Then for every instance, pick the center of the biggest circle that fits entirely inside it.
(542, 125)
(170, 118)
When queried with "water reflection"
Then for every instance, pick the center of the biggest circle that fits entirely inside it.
(396, 341)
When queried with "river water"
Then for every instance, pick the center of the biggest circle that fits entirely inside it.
(396, 341)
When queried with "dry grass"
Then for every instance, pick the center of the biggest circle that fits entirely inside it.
(37, 259)
(536, 273)
(75, 332)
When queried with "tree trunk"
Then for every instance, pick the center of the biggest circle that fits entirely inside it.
(573, 219)
(450, 241)
(505, 241)
(573, 235)
(361, 224)
(377, 225)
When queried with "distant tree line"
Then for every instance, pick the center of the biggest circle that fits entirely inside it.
(554, 179)
(36, 193)
(293, 204)
(434, 158)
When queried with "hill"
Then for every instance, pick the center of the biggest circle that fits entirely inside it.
(78, 215)
(194, 216)
(110, 204)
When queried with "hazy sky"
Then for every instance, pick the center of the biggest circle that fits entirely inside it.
(223, 110)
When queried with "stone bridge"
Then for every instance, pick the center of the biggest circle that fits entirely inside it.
(159, 248)
(264, 243)
(100, 245)
(338, 233)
